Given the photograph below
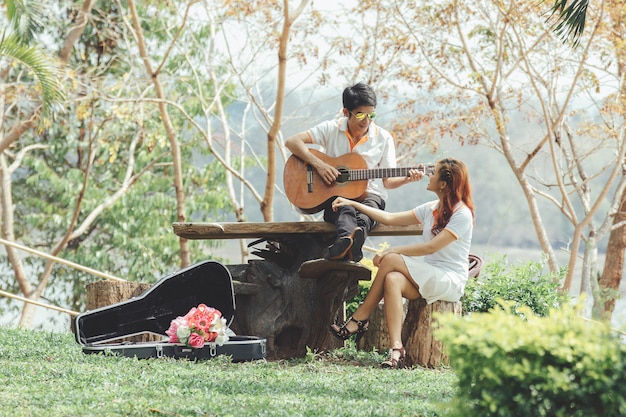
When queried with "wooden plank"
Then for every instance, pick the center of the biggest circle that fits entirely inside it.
(248, 230)
(315, 268)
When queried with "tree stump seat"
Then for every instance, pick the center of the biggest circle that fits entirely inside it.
(106, 292)
(422, 348)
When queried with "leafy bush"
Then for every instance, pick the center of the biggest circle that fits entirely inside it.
(560, 365)
(525, 284)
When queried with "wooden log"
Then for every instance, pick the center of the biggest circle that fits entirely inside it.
(107, 292)
(337, 281)
(422, 348)
(280, 311)
(269, 230)
(331, 292)
(377, 335)
(104, 293)
(293, 308)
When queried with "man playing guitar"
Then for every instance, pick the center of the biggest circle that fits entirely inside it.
(354, 133)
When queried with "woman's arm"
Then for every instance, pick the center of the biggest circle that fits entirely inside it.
(443, 239)
(403, 218)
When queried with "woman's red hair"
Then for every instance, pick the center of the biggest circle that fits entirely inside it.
(454, 173)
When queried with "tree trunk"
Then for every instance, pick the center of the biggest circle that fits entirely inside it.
(418, 332)
(611, 277)
(377, 335)
(267, 207)
(609, 281)
(293, 307)
(7, 232)
(172, 135)
(104, 293)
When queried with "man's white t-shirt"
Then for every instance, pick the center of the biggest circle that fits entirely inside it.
(377, 148)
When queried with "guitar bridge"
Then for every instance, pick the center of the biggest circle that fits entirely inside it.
(309, 178)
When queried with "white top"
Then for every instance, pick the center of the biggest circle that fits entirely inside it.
(377, 148)
(453, 258)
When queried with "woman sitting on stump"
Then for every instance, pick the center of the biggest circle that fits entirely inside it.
(436, 269)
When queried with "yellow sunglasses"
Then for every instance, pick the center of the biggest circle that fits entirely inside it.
(360, 116)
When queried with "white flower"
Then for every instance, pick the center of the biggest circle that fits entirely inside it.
(183, 333)
(221, 339)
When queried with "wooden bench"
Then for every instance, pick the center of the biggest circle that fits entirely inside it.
(239, 230)
(274, 302)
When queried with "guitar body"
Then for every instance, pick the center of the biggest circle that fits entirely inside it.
(306, 190)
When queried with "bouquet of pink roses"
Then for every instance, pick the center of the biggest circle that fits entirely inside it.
(201, 324)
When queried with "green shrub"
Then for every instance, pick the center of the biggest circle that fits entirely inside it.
(559, 365)
(525, 284)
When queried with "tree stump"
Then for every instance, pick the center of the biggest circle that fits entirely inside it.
(418, 332)
(292, 308)
(377, 335)
(104, 293)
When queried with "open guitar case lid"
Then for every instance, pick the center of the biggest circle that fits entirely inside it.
(101, 330)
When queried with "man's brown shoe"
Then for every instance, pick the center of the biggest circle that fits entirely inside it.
(358, 239)
(339, 251)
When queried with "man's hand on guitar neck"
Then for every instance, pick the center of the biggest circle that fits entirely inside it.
(415, 174)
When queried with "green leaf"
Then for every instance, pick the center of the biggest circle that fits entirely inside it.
(41, 64)
(570, 18)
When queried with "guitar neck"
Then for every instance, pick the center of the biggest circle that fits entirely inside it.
(306, 190)
(367, 174)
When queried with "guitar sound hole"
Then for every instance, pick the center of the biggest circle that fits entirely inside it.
(344, 175)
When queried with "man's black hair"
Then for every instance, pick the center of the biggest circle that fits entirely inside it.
(359, 94)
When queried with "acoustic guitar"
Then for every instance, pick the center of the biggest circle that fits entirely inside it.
(306, 190)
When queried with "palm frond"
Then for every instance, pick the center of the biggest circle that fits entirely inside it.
(43, 66)
(570, 19)
(26, 17)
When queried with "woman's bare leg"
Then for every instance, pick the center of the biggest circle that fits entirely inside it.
(393, 262)
(397, 286)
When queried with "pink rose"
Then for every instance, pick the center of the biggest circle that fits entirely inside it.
(195, 341)
(171, 332)
(201, 322)
(203, 318)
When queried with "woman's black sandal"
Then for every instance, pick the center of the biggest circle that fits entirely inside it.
(343, 333)
(393, 363)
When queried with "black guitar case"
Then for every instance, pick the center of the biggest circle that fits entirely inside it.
(101, 330)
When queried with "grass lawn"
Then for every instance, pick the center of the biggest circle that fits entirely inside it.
(47, 374)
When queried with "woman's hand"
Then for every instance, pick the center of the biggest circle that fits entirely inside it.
(379, 257)
(340, 202)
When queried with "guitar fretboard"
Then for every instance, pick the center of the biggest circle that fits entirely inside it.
(366, 174)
